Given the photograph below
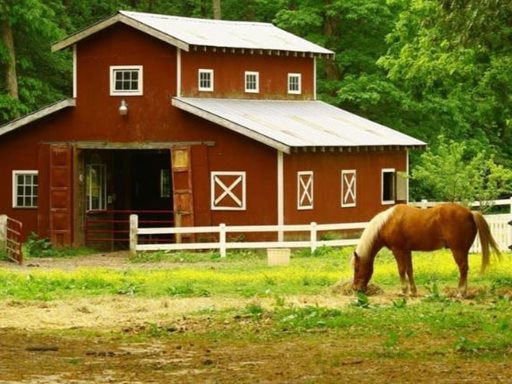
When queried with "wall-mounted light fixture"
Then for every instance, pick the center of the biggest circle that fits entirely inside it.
(123, 108)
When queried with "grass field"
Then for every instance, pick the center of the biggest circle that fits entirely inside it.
(290, 308)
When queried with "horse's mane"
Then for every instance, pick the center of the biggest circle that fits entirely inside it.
(370, 233)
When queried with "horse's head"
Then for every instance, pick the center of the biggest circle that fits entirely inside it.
(363, 271)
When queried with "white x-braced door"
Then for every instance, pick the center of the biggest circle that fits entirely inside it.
(228, 191)
(348, 188)
(305, 190)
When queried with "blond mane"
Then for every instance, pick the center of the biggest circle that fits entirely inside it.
(370, 233)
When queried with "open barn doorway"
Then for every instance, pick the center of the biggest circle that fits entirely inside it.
(120, 182)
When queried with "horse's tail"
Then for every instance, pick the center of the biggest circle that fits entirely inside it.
(486, 240)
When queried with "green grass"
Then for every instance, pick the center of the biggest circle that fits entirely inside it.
(482, 327)
(243, 274)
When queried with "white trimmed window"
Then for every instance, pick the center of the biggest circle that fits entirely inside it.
(205, 80)
(228, 191)
(25, 189)
(305, 190)
(348, 188)
(388, 186)
(126, 80)
(96, 187)
(165, 183)
(252, 82)
(294, 83)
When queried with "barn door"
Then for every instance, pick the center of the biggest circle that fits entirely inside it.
(60, 194)
(182, 186)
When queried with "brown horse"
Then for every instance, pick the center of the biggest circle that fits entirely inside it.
(403, 229)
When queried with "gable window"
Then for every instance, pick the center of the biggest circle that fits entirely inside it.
(294, 83)
(228, 191)
(348, 188)
(388, 189)
(205, 79)
(126, 80)
(96, 187)
(305, 190)
(252, 80)
(25, 189)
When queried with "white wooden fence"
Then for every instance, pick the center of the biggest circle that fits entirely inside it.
(498, 223)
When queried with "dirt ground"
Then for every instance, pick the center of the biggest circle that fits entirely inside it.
(94, 340)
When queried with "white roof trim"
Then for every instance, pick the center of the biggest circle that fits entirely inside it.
(27, 119)
(185, 32)
(73, 39)
(183, 105)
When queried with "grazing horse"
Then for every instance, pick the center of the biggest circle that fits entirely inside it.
(403, 229)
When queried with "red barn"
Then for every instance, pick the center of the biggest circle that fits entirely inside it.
(201, 121)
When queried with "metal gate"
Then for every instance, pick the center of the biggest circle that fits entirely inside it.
(10, 238)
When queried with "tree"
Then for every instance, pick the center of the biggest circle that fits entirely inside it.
(448, 60)
(453, 171)
(33, 76)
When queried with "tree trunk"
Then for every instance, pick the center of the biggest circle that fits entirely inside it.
(330, 31)
(216, 10)
(11, 81)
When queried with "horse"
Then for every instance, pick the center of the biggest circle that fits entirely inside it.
(404, 229)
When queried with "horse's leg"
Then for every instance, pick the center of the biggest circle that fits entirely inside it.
(401, 261)
(461, 258)
(410, 274)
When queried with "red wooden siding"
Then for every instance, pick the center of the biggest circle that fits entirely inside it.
(229, 69)
(327, 169)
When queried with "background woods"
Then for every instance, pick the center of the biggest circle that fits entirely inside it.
(435, 69)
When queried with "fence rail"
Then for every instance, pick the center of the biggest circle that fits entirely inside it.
(310, 232)
(10, 238)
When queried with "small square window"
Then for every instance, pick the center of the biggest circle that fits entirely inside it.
(252, 80)
(205, 80)
(126, 80)
(25, 189)
(294, 83)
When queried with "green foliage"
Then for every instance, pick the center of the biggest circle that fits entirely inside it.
(454, 171)
(42, 247)
(36, 247)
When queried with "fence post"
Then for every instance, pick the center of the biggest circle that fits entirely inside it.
(134, 224)
(222, 239)
(313, 236)
(3, 232)
(177, 224)
(424, 203)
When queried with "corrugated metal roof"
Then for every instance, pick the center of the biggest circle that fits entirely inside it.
(227, 34)
(184, 32)
(292, 124)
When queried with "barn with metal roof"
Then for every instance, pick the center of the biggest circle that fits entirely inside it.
(192, 122)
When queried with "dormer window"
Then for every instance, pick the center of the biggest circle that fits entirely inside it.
(126, 80)
(294, 83)
(252, 82)
(205, 80)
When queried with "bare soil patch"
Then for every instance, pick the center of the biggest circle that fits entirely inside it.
(94, 340)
